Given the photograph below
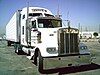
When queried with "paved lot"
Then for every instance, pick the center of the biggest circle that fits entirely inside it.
(13, 64)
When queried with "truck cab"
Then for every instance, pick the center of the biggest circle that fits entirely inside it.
(41, 31)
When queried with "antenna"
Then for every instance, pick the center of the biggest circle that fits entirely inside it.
(58, 11)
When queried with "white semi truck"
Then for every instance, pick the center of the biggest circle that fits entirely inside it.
(38, 33)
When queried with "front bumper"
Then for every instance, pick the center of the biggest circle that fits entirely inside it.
(66, 61)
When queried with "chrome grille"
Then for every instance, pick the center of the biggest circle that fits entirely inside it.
(68, 41)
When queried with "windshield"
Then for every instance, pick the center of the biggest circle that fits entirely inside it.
(49, 23)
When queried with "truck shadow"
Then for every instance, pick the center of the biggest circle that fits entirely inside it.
(73, 69)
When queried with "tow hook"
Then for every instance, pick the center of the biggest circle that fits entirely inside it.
(92, 58)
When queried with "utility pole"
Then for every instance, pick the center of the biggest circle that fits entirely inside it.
(58, 12)
(68, 15)
(81, 29)
(86, 29)
(99, 28)
(79, 26)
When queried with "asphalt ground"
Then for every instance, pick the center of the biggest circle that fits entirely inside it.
(13, 64)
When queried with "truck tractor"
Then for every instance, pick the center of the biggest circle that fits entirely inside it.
(42, 37)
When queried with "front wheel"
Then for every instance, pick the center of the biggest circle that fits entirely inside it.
(40, 62)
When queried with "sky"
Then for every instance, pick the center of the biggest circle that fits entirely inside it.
(85, 12)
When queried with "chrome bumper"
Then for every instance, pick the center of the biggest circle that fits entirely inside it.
(65, 61)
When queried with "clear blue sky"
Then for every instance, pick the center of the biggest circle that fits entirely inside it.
(85, 12)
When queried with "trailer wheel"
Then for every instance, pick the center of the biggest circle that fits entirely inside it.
(15, 47)
(8, 43)
(39, 62)
(17, 51)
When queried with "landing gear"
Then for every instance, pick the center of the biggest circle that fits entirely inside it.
(18, 48)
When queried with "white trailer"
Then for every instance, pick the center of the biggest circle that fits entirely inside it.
(13, 29)
(38, 33)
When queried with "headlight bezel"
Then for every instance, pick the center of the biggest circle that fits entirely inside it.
(51, 50)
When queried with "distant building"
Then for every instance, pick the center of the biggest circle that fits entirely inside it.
(99, 35)
(87, 35)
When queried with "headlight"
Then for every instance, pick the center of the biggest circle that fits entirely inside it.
(83, 47)
(51, 50)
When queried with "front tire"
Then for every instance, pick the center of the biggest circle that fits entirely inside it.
(38, 60)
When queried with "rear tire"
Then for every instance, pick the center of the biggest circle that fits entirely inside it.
(8, 43)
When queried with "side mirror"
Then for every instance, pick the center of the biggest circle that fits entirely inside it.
(30, 23)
